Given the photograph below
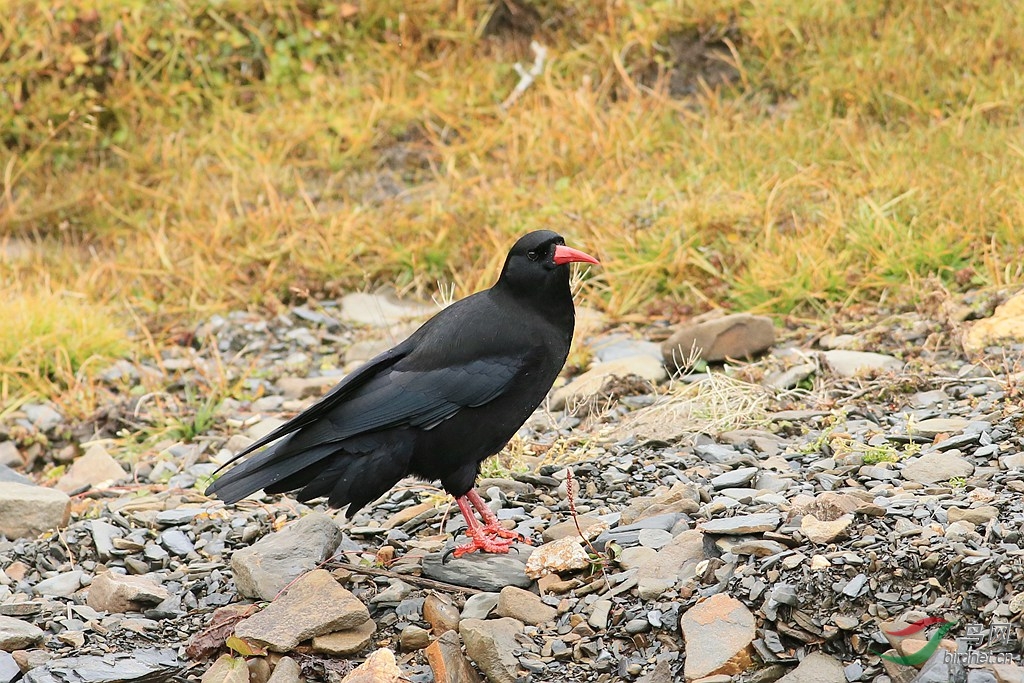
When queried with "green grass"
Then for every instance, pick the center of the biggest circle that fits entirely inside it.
(175, 159)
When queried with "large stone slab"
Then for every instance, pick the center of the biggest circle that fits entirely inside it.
(27, 511)
(270, 564)
(316, 604)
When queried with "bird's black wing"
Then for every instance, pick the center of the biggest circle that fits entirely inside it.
(339, 392)
(385, 396)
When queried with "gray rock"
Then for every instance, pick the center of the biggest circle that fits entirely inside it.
(270, 564)
(599, 613)
(27, 511)
(718, 337)
(16, 634)
(615, 346)
(314, 605)
(939, 425)
(484, 571)
(490, 644)
(141, 665)
(7, 474)
(10, 456)
(654, 538)
(175, 541)
(734, 478)
(479, 606)
(742, 524)
(933, 468)
(9, 669)
(381, 309)
(662, 673)
(42, 416)
(62, 585)
(629, 535)
(816, 667)
(103, 535)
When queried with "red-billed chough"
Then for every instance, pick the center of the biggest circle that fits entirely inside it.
(436, 405)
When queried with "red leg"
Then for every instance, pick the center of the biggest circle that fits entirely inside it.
(490, 537)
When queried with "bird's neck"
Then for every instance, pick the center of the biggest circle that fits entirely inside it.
(554, 302)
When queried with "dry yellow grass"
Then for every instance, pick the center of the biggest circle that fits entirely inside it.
(174, 159)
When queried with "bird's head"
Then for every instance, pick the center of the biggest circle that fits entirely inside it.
(540, 260)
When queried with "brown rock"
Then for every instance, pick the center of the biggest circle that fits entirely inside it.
(591, 385)
(94, 468)
(1007, 323)
(406, 514)
(718, 337)
(523, 605)
(285, 671)
(441, 615)
(823, 531)
(491, 644)
(718, 633)
(829, 505)
(1008, 673)
(345, 643)
(563, 555)
(112, 592)
(447, 661)
(27, 511)
(379, 667)
(227, 669)
(677, 560)
(259, 669)
(979, 515)
(413, 638)
(816, 667)
(304, 387)
(313, 606)
(591, 526)
(680, 498)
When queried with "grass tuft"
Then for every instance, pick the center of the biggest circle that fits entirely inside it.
(788, 157)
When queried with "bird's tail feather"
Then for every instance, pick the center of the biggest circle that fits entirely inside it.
(264, 469)
(352, 479)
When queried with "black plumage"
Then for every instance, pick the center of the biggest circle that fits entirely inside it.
(437, 404)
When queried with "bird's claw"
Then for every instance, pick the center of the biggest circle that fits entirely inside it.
(490, 538)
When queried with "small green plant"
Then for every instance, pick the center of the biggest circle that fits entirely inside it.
(957, 483)
(876, 454)
(199, 418)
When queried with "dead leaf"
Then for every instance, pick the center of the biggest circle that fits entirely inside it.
(207, 642)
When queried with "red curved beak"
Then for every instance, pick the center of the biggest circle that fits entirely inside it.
(564, 254)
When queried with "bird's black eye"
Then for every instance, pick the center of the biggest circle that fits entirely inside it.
(532, 255)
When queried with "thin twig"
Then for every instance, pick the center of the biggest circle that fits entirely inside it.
(527, 76)
(576, 520)
(415, 580)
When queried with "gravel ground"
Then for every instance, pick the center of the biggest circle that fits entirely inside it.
(789, 512)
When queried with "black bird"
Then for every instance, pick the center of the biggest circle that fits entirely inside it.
(434, 406)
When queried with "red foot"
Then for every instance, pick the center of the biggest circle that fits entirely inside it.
(490, 537)
(486, 540)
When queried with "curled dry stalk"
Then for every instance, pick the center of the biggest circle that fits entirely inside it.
(600, 558)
